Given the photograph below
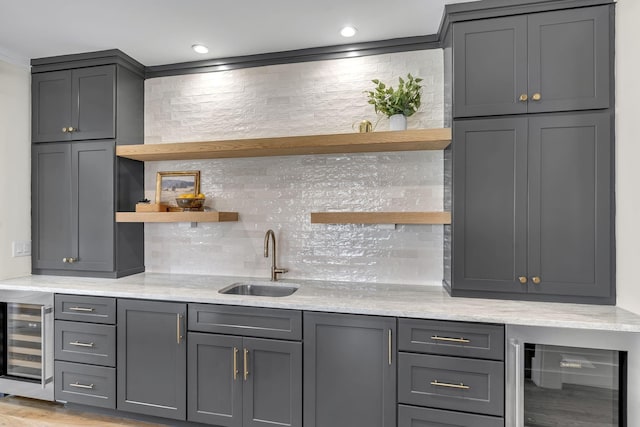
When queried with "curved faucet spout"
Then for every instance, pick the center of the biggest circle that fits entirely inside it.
(270, 235)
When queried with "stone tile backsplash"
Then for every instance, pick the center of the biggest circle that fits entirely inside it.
(280, 192)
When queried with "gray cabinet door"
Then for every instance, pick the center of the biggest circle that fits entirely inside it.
(533, 200)
(152, 357)
(50, 106)
(273, 383)
(93, 103)
(51, 205)
(569, 59)
(570, 205)
(349, 371)
(74, 105)
(490, 205)
(215, 376)
(93, 206)
(490, 66)
(542, 62)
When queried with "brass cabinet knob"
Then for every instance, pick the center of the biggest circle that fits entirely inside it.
(72, 129)
(523, 98)
(536, 280)
(522, 279)
(65, 130)
(536, 97)
(65, 260)
(69, 260)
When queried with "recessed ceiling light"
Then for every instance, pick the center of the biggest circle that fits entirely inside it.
(200, 48)
(348, 31)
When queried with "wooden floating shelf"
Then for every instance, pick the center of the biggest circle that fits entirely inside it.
(176, 216)
(408, 140)
(381, 217)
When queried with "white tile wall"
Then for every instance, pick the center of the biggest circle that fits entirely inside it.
(280, 192)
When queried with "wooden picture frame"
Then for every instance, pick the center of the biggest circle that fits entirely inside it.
(170, 185)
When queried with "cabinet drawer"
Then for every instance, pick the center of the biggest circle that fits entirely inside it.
(85, 309)
(85, 384)
(455, 383)
(411, 416)
(85, 343)
(246, 321)
(479, 340)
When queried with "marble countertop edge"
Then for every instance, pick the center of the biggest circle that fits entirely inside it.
(397, 300)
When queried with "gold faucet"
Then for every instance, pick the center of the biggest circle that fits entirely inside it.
(274, 270)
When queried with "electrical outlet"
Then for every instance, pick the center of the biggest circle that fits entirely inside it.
(21, 248)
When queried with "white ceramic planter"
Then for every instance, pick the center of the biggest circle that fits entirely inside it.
(398, 122)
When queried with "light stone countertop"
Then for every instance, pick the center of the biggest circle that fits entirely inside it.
(427, 302)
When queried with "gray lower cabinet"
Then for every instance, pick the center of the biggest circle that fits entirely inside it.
(244, 382)
(152, 358)
(412, 416)
(349, 370)
(532, 208)
(541, 62)
(85, 352)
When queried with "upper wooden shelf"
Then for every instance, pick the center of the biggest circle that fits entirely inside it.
(206, 216)
(408, 140)
(381, 217)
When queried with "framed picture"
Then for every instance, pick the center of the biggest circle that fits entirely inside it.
(170, 185)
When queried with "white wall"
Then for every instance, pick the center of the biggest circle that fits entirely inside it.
(628, 154)
(280, 192)
(15, 166)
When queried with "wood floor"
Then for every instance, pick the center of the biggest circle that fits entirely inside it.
(22, 412)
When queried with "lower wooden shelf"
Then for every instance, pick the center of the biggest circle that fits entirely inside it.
(207, 216)
(381, 217)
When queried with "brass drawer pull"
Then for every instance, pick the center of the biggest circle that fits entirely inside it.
(78, 385)
(81, 344)
(82, 309)
(246, 364)
(460, 340)
(390, 348)
(235, 363)
(460, 386)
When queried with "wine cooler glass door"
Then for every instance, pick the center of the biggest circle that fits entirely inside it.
(24, 335)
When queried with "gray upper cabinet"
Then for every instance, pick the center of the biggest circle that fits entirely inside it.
(349, 370)
(74, 104)
(542, 62)
(82, 107)
(152, 358)
(532, 208)
(73, 206)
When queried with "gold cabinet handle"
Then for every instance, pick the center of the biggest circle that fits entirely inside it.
(390, 347)
(522, 279)
(460, 386)
(246, 365)
(536, 280)
(536, 97)
(82, 344)
(523, 98)
(178, 328)
(459, 340)
(81, 309)
(235, 363)
(78, 385)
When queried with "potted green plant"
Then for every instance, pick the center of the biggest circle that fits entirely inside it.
(397, 104)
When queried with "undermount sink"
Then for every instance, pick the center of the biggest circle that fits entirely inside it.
(260, 289)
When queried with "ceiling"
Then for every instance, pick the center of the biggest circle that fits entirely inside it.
(159, 32)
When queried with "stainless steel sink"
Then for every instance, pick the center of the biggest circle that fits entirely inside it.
(260, 289)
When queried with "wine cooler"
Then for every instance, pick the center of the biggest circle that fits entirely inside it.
(27, 344)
